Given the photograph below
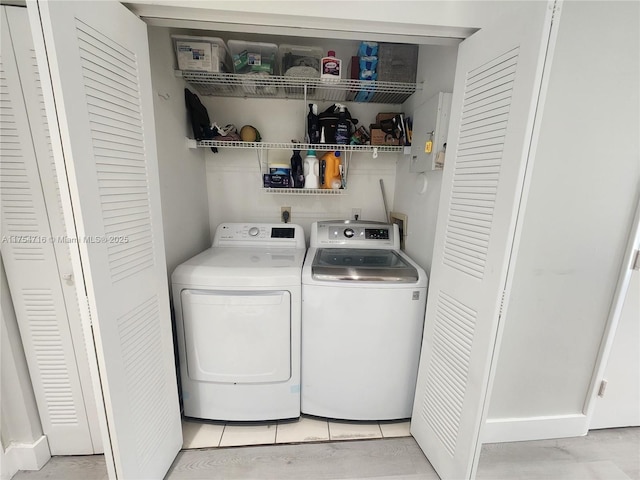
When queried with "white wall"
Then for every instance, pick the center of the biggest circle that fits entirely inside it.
(436, 66)
(405, 18)
(234, 178)
(185, 211)
(201, 189)
(578, 215)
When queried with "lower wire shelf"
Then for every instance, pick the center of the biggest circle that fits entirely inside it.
(305, 191)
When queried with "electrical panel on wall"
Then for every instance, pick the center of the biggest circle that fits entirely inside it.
(430, 128)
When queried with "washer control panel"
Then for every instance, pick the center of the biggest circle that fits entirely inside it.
(354, 234)
(259, 234)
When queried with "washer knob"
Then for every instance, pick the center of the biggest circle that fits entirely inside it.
(254, 231)
(348, 232)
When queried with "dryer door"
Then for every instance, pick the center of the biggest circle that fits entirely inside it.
(237, 336)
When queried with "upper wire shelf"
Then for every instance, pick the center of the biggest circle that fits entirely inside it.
(277, 86)
(299, 146)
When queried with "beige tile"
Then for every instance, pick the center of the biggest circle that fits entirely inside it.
(237, 435)
(353, 431)
(304, 430)
(395, 429)
(200, 434)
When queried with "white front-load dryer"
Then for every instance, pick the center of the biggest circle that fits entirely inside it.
(237, 309)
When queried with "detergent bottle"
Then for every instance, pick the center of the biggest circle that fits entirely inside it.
(311, 170)
(332, 177)
(297, 172)
(342, 127)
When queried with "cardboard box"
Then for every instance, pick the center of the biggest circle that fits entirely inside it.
(378, 137)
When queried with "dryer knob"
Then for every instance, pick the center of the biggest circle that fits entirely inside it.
(348, 232)
(254, 231)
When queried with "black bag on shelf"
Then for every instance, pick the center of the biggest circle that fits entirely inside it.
(329, 121)
(199, 118)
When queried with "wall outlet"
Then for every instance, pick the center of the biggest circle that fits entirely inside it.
(285, 214)
(356, 214)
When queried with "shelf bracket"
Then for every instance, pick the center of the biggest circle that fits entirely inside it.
(191, 143)
(345, 173)
(260, 154)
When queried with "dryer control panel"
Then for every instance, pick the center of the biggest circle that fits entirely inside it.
(353, 233)
(259, 235)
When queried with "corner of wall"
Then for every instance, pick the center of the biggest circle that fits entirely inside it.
(183, 183)
(436, 66)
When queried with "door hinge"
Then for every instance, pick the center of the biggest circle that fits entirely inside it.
(635, 265)
(603, 387)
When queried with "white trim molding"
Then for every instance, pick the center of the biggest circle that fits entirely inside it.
(25, 456)
(499, 430)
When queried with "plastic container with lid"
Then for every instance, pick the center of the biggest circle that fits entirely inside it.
(202, 54)
(299, 61)
(280, 169)
(253, 57)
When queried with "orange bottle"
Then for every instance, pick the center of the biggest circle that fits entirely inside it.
(332, 178)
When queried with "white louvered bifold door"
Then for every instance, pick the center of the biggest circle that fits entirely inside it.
(497, 84)
(55, 356)
(99, 68)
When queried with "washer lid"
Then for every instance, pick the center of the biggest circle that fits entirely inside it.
(362, 264)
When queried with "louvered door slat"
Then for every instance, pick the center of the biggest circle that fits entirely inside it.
(111, 116)
(108, 130)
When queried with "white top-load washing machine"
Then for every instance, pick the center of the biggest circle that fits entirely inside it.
(363, 306)
(237, 308)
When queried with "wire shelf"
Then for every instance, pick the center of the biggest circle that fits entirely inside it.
(305, 191)
(300, 146)
(276, 86)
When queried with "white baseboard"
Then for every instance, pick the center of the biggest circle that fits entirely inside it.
(26, 456)
(498, 430)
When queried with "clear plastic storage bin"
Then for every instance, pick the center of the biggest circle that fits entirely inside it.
(300, 62)
(201, 54)
(256, 60)
(253, 57)
(297, 61)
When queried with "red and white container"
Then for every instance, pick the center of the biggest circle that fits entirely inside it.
(331, 67)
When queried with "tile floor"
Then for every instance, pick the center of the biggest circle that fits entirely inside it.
(203, 434)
